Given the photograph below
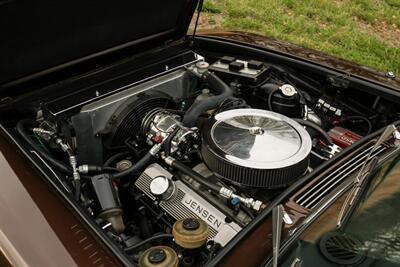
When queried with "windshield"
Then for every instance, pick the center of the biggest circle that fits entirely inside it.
(370, 238)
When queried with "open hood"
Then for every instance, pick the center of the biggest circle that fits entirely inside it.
(39, 37)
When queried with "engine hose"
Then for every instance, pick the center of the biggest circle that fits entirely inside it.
(113, 158)
(194, 175)
(78, 188)
(148, 240)
(356, 117)
(167, 143)
(271, 94)
(21, 130)
(135, 168)
(107, 169)
(316, 128)
(219, 87)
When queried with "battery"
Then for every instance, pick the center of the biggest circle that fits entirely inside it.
(343, 137)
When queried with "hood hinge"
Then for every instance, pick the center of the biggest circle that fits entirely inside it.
(341, 81)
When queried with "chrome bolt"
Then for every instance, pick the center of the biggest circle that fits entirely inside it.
(390, 75)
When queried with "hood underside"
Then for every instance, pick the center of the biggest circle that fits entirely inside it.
(40, 36)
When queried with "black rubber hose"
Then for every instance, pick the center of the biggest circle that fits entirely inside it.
(356, 117)
(148, 240)
(111, 169)
(195, 176)
(268, 90)
(316, 128)
(167, 143)
(218, 87)
(271, 94)
(114, 157)
(135, 168)
(22, 131)
(248, 211)
(78, 187)
(56, 163)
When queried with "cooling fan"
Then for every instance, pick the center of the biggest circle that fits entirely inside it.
(127, 119)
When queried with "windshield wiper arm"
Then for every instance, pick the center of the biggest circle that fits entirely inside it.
(279, 216)
(361, 179)
(277, 219)
(364, 174)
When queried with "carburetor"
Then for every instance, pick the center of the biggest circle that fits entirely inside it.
(161, 126)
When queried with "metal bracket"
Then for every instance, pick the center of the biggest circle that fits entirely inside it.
(341, 81)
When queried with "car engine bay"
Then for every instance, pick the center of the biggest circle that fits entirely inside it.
(189, 158)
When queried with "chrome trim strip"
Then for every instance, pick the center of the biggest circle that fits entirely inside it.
(333, 173)
(311, 198)
(344, 176)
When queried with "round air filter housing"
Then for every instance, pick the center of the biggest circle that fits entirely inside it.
(256, 148)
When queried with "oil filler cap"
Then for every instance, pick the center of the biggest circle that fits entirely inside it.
(160, 256)
(162, 187)
(190, 233)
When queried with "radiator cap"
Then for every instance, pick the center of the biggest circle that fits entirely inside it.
(159, 256)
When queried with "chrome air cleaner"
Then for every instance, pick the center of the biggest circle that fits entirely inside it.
(256, 148)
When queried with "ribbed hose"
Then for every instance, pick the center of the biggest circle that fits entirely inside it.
(218, 87)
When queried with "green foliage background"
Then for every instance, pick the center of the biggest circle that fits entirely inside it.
(362, 31)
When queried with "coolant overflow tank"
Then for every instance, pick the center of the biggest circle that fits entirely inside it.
(190, 233)
(160, 256)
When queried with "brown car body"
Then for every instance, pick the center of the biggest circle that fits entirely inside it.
(310, 55)
(39, 228)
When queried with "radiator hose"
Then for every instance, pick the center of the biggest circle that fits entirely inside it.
(221, 91)
(140, 164)
(315, 127)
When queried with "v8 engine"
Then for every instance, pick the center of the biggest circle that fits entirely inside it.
(187, 159)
